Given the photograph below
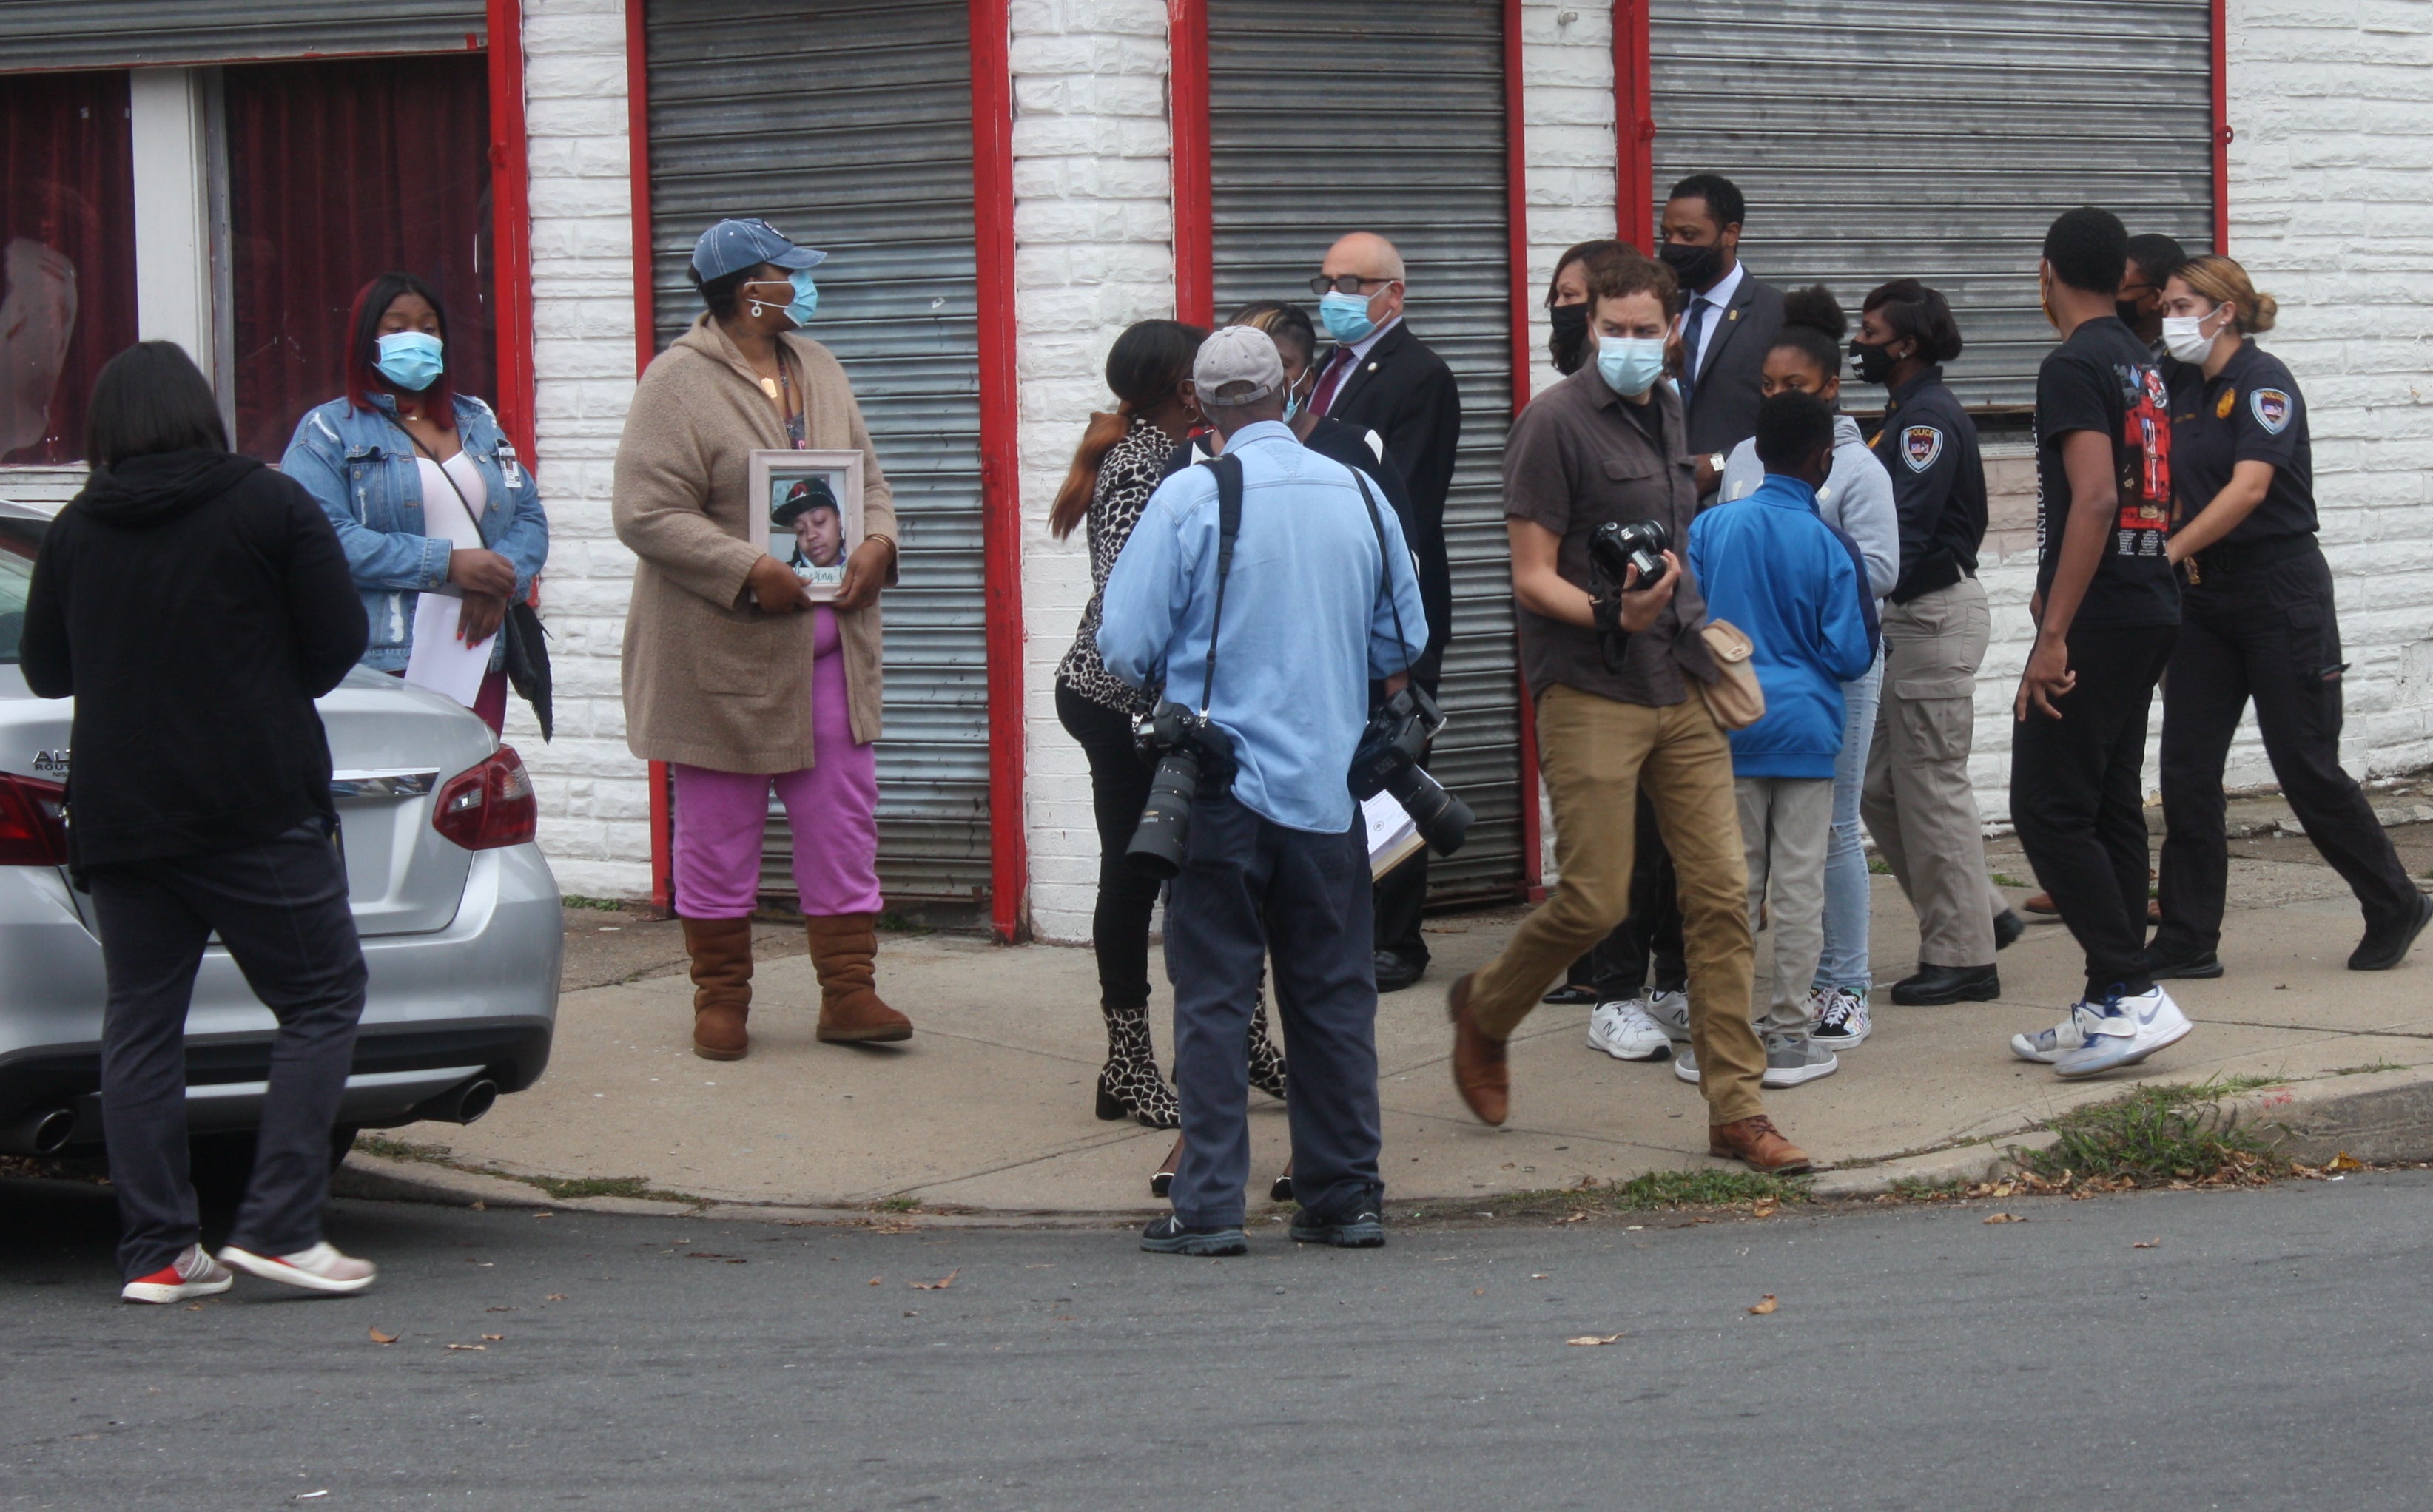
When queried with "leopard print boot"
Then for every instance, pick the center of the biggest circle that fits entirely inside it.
(1128, 1085)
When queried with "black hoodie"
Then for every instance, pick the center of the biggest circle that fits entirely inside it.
(194, 603)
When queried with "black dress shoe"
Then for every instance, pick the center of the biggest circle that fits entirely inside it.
(1948, 984)
(1573, 995)
(2183, 965)
(2008, 926)
(1394, 972)
(2382, 949)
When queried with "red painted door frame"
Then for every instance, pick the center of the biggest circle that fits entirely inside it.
(510, 225)
(2222, 134)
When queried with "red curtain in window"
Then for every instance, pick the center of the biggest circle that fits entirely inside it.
(339, 172)
(67, 254)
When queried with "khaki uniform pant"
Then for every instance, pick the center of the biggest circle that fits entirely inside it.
(1918, 802)
(1596, 753)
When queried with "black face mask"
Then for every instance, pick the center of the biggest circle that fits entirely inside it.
(2127, 311)
(1695, 266)
(1873, 365)
(1569, 345)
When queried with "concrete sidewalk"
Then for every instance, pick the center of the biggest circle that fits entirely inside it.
(989, 1107)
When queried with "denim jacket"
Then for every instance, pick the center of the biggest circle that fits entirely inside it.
(361, 468)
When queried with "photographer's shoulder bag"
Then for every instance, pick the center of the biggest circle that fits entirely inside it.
(1734, 698)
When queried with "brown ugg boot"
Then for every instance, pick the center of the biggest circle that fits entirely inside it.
(844, 947)
(722, 986)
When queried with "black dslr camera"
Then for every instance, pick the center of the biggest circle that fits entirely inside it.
(1190, 752)
(1388, 761)
(1641, 544)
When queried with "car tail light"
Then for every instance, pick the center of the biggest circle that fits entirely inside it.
(488, 805)
(33, 821)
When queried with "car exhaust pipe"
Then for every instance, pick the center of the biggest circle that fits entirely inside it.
(467, 1103)
(44, 1131)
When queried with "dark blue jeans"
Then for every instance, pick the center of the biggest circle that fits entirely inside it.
(1251, 889)
(281, 909)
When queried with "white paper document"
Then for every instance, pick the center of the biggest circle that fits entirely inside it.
(1392, 836)
(439, 661)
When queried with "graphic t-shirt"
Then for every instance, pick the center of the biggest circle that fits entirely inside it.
(2103, 379)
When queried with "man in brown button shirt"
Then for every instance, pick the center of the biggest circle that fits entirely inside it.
(1619, 680)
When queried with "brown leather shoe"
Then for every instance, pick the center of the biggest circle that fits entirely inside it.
(2042, 903)
(722, 986)
(1478, 1070)
(1757, 1143)
(844, 947)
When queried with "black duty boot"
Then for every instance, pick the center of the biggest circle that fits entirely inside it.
(1128, 1085)
(1948, 984)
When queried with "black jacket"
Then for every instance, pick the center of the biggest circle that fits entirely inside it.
(1928, 445)
(194, 603)
(1335, 441)
(1406, 394)
(1722, 403)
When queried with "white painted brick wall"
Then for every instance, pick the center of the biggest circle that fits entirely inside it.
(1567, 133)
(1094, 252)
(594, 796)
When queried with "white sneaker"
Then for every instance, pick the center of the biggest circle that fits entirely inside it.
(2125, 1031)
(2049, 1045)
(1671, 1012)
(1625, 1031)
(322, 1269)
(1792, 1060)
(195, 1274)
(1685, 1065)
(1839, 1018)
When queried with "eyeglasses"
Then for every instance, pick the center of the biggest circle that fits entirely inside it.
(1344, 283)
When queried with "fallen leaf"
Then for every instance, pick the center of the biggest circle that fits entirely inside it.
(1479, 1292)
(940, 1285)
(2344, 1162)
(2147, 1243)
(554, 1297)
(1765, 1208)
(498, 1309)
(480, 1206)
(379, 1337)
(2004, 1217)
(875, 1279)
(1536, 1275)
(494, 1338)
(1594, 1340)
(544, 1214)
(468, 1345)
(1765, 1304)
(1575, 1215)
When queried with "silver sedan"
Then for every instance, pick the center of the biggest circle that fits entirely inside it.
(458, 913)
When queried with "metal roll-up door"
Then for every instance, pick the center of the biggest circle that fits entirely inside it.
(60, 34)
(1408, 144)
(849, 125)
(1878, 139)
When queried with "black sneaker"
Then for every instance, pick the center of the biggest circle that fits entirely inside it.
(2191, 965)
(1362, 1231)
(2382, 949)
(1169, 1236)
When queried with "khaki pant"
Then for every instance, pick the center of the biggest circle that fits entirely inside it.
(1918, 802)
(1595, 754)
(1786, 824)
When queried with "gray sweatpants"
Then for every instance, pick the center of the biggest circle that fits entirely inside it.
(1786, 827)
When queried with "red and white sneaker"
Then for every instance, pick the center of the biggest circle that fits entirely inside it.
(195, 1274)
(322, 1269)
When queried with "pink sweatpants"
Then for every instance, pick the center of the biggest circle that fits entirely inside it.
(831, 807)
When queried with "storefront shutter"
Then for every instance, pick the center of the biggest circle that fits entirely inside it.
(1937, 139)
(849, 127)
(59, 34)
(1332, 118)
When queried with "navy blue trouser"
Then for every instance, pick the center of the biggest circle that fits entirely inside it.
(1248, 889)
(281, 909)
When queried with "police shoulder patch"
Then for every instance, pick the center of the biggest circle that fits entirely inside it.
(2228, 401)
(1920, 446)
(2272, 408)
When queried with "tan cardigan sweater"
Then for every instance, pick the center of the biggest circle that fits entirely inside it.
(710, 681)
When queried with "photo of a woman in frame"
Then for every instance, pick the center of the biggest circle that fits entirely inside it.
(807, 507)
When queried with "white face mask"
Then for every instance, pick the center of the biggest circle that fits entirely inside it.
(2183, 336)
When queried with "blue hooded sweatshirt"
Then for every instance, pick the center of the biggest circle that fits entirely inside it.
(1798, 589)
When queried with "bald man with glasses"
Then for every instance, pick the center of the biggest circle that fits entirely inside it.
(1381, 377)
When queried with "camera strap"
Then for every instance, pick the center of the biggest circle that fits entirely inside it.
(1229, 524)
(1385, 566)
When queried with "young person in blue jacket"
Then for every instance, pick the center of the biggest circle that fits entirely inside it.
(1798, 589)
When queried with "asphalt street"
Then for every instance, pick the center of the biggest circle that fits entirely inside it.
(2163, 1350)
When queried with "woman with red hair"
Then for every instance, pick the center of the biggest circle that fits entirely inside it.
(423, 486)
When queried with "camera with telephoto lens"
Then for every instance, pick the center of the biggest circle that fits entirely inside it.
(1191, 752)
(1388, 761)
(1641, 544)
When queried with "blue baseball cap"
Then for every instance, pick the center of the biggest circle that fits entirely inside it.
(733, 245)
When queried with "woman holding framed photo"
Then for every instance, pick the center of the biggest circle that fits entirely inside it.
(739, 669)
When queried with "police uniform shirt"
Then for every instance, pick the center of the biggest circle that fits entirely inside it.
(2249, 412)
(1929, 446)
(2103, 378)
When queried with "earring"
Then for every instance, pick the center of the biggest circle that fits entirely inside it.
(756, 309)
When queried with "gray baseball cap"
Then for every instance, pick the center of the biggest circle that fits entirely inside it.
(1237, 354)
(733, 245)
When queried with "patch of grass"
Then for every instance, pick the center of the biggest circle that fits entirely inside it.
(576, 900)
(2383, 1063)
(897, 1204)
(2006, 879)
(565, 1187)
(1926, 1189)
(1879, 866)
(2154, 1136)
(895, 921)
(1661, 1190)
(400, 1149)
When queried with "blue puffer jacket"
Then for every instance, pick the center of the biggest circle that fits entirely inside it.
(1798, 589)
(360, 465)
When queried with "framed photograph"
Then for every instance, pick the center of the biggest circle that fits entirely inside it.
(807, 512)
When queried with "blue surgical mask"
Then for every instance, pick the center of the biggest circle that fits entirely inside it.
(410, 359)
(1292, 403)
(1631, 364)
(1346, 316)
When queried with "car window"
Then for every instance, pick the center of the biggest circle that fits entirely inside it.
(19, 540)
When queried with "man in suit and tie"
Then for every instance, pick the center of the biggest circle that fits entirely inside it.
(1381, 378)
(1728, 320)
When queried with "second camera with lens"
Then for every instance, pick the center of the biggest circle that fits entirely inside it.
(1388, 761)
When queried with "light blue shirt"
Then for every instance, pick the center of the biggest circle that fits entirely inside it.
(1306, 627)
